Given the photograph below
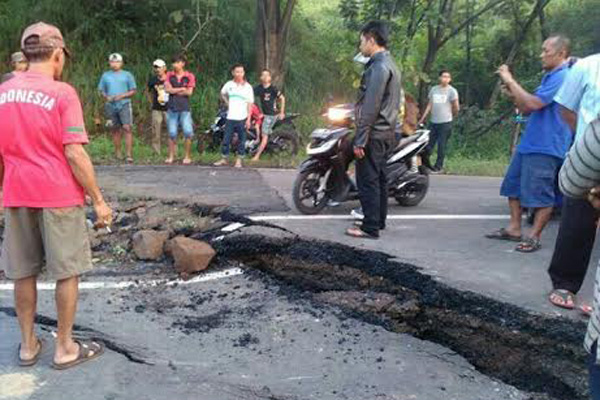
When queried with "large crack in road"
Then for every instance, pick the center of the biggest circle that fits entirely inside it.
(534, 353)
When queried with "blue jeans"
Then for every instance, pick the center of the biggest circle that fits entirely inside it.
(594, 370)
(175, 119)
(232, 127)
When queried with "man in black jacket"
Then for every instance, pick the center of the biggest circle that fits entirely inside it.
(376, 114)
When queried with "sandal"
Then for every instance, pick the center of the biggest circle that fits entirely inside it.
(358, 233)
(186, 161)
(88, 350)
(169, 161)
(31, 362)
(502, 234)
(529, 245)
(562, 298)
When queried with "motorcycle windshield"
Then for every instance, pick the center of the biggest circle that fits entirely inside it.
(325, 134)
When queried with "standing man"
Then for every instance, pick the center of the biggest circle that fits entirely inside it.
(180, 86)
(117, 86)
(238, 95)
(269, 97)
(376, 116)
(158, 96)
(579, 99)
(531, 179)
(46, 173)
(443, 106)
(18, 63)
(580, 179)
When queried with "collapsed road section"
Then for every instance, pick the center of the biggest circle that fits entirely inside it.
(532, 352)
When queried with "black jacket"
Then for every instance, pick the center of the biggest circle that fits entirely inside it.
(378, 102)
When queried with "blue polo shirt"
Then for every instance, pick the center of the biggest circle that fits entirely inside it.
(114, 83)
(546, 132)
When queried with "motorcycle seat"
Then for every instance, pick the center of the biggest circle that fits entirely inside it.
(405, 141)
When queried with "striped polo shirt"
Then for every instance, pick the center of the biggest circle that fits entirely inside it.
(579, 174)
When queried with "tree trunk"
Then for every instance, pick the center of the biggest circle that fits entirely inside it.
(539, 6)
(272, 31)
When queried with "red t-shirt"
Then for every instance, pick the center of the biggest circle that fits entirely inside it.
(177, 102)
(256, 115)
(38, 117)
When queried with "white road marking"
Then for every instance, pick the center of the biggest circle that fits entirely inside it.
(212, 276)
(447, 217)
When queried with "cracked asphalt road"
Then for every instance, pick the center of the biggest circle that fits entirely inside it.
(240, 338)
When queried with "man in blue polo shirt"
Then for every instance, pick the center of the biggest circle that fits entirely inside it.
(531, 179)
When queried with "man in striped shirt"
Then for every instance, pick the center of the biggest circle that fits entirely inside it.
(579, 179)
(579, 98)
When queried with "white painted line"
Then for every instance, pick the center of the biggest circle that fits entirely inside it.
(212, 276)
(447, 217)
(232, 227)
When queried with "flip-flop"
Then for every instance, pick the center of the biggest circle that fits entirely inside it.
(86, 348)
(502, 234)
(187, 161)
(34, 360)
(566, 297)
(529, 245)
(358, 233)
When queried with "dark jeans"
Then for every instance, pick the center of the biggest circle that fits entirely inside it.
(371, 179)
(232, 127)
(594, 371)
(574, 245)
(440, 134)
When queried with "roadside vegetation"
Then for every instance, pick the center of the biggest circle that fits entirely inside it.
(476, 36)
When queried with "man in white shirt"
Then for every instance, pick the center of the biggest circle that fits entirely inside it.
(238, 95)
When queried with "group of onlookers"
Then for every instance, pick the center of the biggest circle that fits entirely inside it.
(169, 93)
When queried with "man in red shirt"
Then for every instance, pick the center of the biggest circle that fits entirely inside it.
(45, 173)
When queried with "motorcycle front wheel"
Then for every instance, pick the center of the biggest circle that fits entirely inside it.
(286, 142)
(307, 198)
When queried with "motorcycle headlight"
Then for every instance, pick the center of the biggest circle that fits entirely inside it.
(338, 114)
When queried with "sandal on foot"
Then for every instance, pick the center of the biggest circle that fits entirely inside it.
(88, 350)
(562, 298)
(169, 161)
(358, 233)
(186, 161)
(502, 234)
(529, 245)
(32, 361)
(129, 160)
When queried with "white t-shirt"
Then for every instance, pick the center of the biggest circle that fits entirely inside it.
(239, 95)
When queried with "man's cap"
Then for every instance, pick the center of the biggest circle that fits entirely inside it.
(47, 36)
(18, 57)
(115, 57)
(159, 63)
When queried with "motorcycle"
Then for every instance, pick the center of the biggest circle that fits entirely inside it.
(284, 138)
(323, 179)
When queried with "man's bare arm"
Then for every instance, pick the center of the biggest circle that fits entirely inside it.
(570, 117)
(425, 113)
(83, 170)
(282, 105)
(126, 95)
(455, 107)
(525, 101)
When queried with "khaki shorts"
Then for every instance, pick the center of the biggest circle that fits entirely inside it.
(57, 237)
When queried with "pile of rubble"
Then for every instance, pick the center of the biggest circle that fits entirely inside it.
(156, 231)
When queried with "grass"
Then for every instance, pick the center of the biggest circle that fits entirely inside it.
(102, 153)
(460, 165)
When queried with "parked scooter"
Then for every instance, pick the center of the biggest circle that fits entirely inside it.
(284, 138)
(323, 177)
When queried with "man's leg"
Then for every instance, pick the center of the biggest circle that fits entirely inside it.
(172, 125)
(157, 120)
(117, 141)
(516, 215)
(433, 138)
(574, 245)
(241, 130)
(25, 306)
(128, 141)
(67, 292)
(445, 130)
(188, 134)
(266, 130)
(225, 146)
(368, 177)
(542, 217)
(383, 186)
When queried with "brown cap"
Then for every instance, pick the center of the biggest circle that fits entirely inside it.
(49, 36)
